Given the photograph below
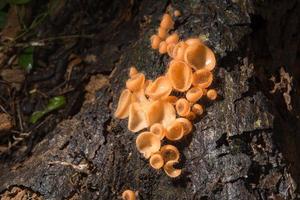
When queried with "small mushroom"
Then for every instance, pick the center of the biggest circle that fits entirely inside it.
(132, 71)
(191, 116)
(137, 119)
(162, 47)
(156, 161)
(200, 57)
(194, 94)
(160, 88)
(202, 78)
(175, 131)
(155, 41)
(183, 107)
(179, 50)
(186, 124)
(147, 144)
(197, 109)
(162, 33)
(177, 13)
(180, 75)
(126, 98)
(158, 130)
(170, 170)
(167, 22)
(128, 195)
(174, 38)
(211, 94)
(136, 82)
(169, 152)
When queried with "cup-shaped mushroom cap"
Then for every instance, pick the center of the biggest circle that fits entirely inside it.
(167, 22)
(180, 75)
(170, 49)
(202, 78)
(147, 144)
(158, 130)
(171, 99)
(183, 107)
(132, 71)
(200, 57)
(186, 124)
(162, 33)
(160, 88)
(136, 82)
(128, 195)
(174, 38)
(197, 109)
(175, 131)
(170, 170)
(163, 47)
(160, 112)
(193, 41)
(155, 41)
(179, 49)
(126, 98)
(211, 94)
(137, 118)
(169, 152)
(156, 161)
(194, 94)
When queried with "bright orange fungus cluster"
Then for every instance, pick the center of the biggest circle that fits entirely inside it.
(149, 104)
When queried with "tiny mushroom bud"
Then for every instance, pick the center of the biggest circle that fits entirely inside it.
(212, 94)
(155, 41)
(162, 47)
(167, 22)
(172, 38)
(156, 161)
(197, 109)
(177, 13)
(147, 143)
(170, 170)
(180, 75)
(158, 130)
(194, 94)
(162, 33)
(136, 82)
(175, 131)
(132, 71)
(202, 78)
(169, 152)
(183, 107)
(128, 195)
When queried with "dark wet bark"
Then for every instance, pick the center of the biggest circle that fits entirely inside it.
(235, 151)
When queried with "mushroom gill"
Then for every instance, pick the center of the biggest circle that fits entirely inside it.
(169, 152)
(136, 82)
(194, 94)
(183, 107)
(126, 98)
(180, 75)
(147, 144)
(137, 119)
(158, 130)
(170, 170)
(175, 131)
(156, 161)
(160, 88)
(202, 78)
(200, 57)
(128, 195)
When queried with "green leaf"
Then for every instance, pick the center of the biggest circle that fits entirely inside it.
(2, 4)
(3, 16)
(18, 1)
(35, 116)
(56, 103)
(26, 59)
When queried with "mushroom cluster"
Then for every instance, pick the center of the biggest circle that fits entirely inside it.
(152, 105)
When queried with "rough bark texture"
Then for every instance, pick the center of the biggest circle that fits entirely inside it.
(231, 153)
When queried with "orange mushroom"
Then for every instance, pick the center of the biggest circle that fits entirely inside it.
(179, 50)
(197, 109)
(155, 41)
(186, 124)
(193, 41)
(183, 107)
(200, 57)
(194, 94)
(180, 75)
(158, 130)
(128, 195)
(162, 47)
(177, 13)
(170, 49)
(162, 33)
(170, 170)
(160, 88)
(160, 112)
(169, 152)
(126, 98)
(136, 82)
(175, 131)
(137, 118)
(167, 22)
(147, 144)
(202, 78)
(132, 71)
(191, 116)
(211, 94)
(156, 161)
(172, 38)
